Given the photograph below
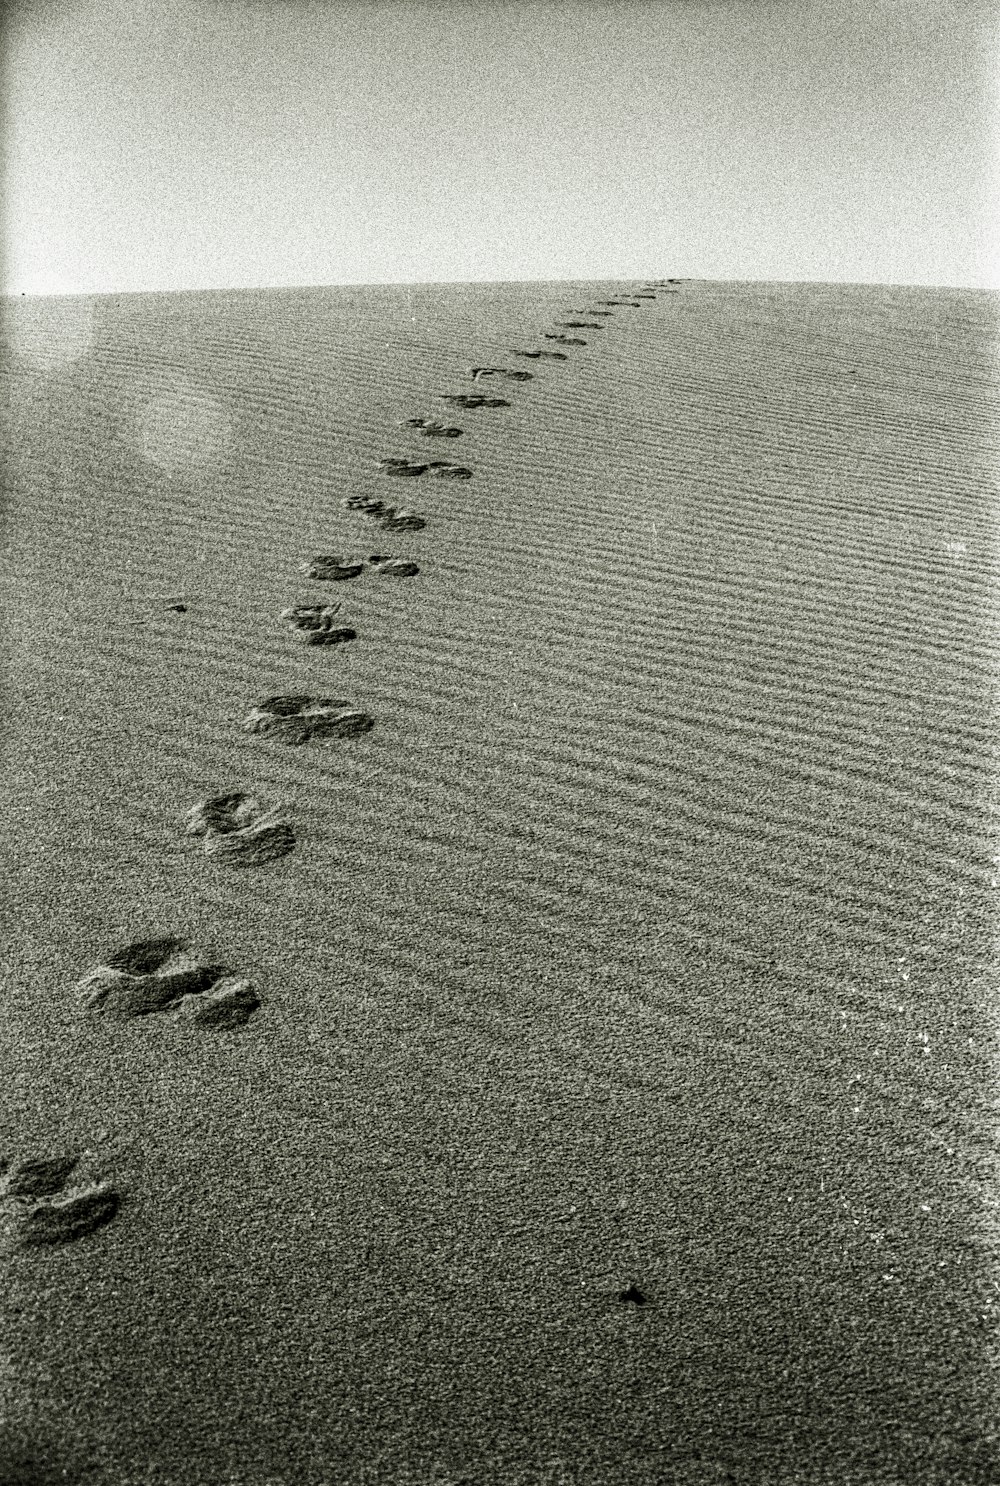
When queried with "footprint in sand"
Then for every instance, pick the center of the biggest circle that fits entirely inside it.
(431, 428)
(160, 975)
(547, 355)
(300, 719)
(396, 520)
(477, 373)
(579, 325)
(237, 829)
(564, 340)
(46, 1200)
(389, 517)
(604, 314)
(439, 467)
(466, 400)
(645, 296)
(443, 471)
(402, 468)
(315, 624)
(393, 567)
(332, 567)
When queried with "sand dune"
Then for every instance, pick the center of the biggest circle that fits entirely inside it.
(619, 1103)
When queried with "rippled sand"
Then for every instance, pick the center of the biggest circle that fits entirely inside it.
(646, 941)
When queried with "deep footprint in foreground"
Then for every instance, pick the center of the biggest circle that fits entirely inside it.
(473, 400)
(41, 1203)
(300, 719)
(237, 829)
(316, 624)
(170, 980)
(431, 428)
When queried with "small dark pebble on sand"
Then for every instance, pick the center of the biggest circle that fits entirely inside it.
(633, 1295)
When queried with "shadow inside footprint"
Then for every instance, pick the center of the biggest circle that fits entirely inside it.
(564, 340)
(579, 325)
(36, 1177)
(143, 957)
(56, 1220)
(37, 1208)
(236, 828)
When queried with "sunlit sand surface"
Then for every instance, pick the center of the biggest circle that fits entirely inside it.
(606, 1091)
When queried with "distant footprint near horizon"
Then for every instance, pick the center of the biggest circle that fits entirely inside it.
(408, 468)
(431, 428)
(315, 624)
(389, 517)
(474, 400)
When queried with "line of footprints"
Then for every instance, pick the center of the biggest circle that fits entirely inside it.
(53, 1200)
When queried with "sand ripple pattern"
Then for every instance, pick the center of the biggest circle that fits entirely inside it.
(644, 947)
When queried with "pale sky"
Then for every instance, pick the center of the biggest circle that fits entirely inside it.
(184, 144)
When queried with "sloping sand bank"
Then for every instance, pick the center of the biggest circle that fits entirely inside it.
(643, 947)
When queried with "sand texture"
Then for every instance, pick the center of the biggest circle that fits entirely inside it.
(561, 1043)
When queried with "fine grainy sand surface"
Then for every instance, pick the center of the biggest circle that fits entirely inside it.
(645, 941)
